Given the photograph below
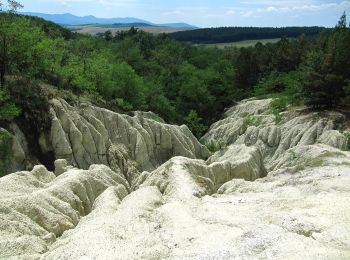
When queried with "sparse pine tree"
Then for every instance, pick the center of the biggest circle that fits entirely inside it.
(342, 22)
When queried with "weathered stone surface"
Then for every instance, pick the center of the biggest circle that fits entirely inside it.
(18, 157)
(274, 191)
(86, 135)
(271, 138)
(37, 207)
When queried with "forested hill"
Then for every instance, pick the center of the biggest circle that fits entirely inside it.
(181, 82)
(235, 34)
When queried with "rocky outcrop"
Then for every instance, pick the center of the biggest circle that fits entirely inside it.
(183, 178)
(88, 135)
(274, 190)
(37, 207)
(14, 150)
(289, 214)
(252, 123)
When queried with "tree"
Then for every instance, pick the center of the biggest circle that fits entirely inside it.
(126, 85)
(194, 122)
(108, 35)
(6, 15)
(8, 110)
(342, 22)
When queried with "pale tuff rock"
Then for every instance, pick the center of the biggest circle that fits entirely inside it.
(19, 158)
(88, 135)
(183, 178)
(182, 207)
(251, 123)
(289, 214)
(37, 207)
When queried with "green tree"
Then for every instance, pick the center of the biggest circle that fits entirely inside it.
(108, 35)
(127, 85)
(342, 22)
(8, 110)
(194, 122)
(6, 19)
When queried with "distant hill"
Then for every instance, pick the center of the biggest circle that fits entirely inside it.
(235, 34)
(178, 25)
(70, 19)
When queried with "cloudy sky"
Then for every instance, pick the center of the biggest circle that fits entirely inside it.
(204, 13)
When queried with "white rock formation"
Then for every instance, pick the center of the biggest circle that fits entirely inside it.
(37, 207)
(90, 135)
(19, 156)
(251, 123)
(227, 207)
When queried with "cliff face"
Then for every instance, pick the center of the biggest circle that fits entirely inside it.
(133, 188)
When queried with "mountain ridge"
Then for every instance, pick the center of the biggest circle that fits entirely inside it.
(70, 19)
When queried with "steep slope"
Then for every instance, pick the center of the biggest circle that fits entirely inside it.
(89, 135)
(252, 123)
(275, 190)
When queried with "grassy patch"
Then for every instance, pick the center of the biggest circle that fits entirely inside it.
(214, 146)
(250, 120)
(279, 105)
(347, 135)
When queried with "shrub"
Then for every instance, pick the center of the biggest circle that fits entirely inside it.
(214, 146)
(250, 120)
(5, 151)
(33, 102)
(123, 104)
(194, 123)
(279, 105)
(8, 110)
(347, 135)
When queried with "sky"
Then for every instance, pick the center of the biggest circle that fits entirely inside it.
(204, 13)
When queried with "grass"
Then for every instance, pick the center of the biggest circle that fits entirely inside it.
(250, 120)
(214, 146)
(240, 44)
(347, 135)
(316, 162)
(278, 105)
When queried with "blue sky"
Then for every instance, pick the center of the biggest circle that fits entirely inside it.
(204, 13)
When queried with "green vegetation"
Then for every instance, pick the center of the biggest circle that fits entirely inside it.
(5, 152)
(182, 83)
(214, 146)
(347, 135)
(236, 34)
(240, 44)
(278, 105)
(250, 120)
(8, 110)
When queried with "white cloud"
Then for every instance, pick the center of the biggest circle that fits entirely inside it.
(280, 8)
(100, 2)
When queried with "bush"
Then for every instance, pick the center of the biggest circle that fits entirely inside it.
(5, 151)
(250, 120)
(347, 135)
(279, 105)
(124, 105)
(214, 146)
(33, 102)
(8, 110)
(193, 121)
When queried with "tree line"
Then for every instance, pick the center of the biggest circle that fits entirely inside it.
(182, 83)
(235, 34)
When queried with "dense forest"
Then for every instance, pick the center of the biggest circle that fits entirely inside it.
(235, 34)
(180, 82)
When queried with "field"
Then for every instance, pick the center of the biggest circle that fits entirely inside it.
(95, 29)
(240, 44)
